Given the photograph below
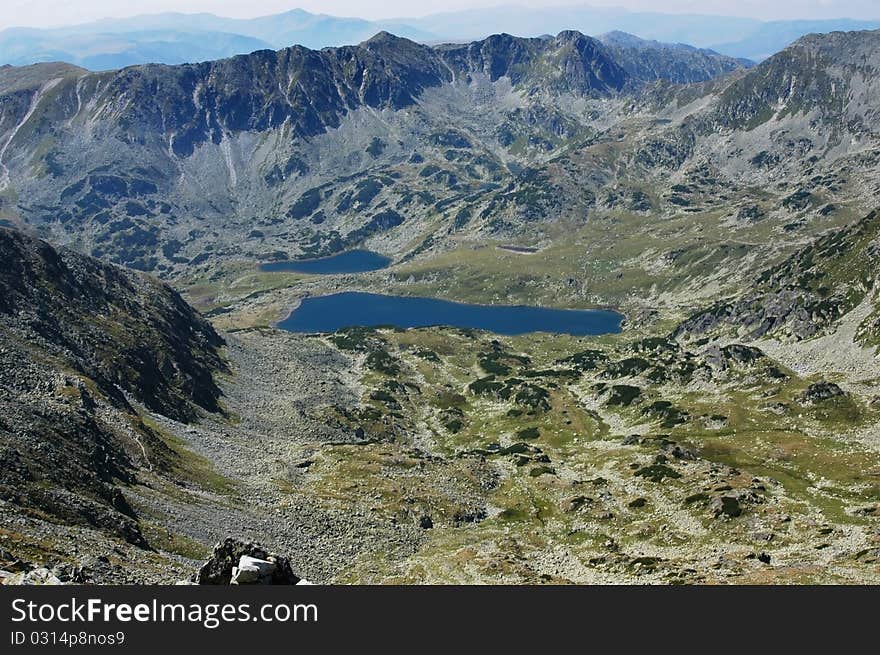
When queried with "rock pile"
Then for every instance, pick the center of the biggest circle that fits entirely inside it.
(14, 571)
(237, 562)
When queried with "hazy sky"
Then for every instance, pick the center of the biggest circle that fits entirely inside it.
(46, 13)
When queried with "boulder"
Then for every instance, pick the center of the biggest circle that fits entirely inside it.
(726, 506)
(238, 562)
(821, 391)
(251, 570)
(741, 354)
(575, 503)
(245, 575)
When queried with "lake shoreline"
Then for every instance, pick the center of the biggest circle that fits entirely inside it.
(328, 313)
(347, 262)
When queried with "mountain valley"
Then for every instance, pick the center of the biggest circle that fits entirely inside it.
(151, 406)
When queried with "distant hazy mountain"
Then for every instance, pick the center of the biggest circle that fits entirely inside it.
(107, 51)
(295, 27)
(770, 38)
(696, 30)
(174, 38)
(734, 36)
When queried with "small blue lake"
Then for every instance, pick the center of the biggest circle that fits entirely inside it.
(353, 261)
(332, 312)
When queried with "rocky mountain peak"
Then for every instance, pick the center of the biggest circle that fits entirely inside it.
(384, 38)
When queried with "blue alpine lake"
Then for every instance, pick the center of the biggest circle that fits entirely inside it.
(352, 261)
(332, 312)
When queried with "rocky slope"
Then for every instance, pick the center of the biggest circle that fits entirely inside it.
(408, 149)
(648, 61)
(800, 123)
(82, 343)
(807, 293)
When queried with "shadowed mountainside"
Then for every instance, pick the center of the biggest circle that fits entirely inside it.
(80, 341)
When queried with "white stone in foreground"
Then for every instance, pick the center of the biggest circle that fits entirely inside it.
(251, 570)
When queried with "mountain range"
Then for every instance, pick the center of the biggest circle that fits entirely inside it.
(175, 38)
(151, 406)
(315, 151)
(249, 142)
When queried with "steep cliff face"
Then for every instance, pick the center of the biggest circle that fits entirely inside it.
(79, 340)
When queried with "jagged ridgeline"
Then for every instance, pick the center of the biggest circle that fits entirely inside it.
(162, 167)
(82, 345)
(805, 294)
